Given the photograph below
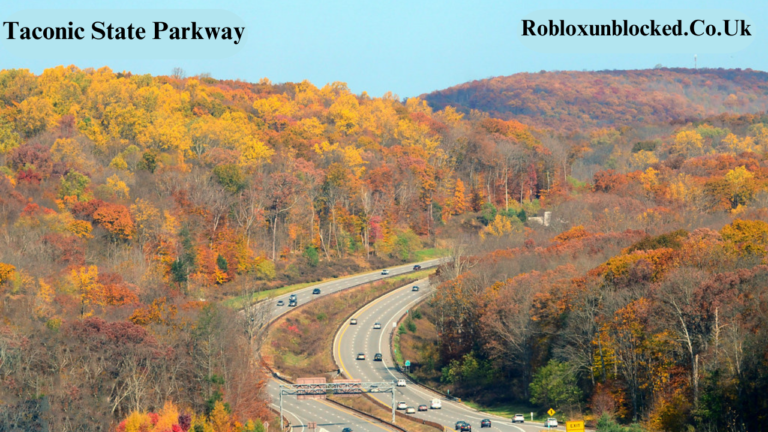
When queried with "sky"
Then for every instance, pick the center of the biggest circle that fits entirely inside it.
(406, 47)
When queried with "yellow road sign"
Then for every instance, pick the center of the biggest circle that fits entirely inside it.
(574, 426)
(551, 412)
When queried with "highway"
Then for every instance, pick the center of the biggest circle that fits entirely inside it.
(324, 413)
(363, 338)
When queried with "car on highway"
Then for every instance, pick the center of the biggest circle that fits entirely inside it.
(422, 407)
(346, 430)
(466, 427)
(459, 424)
(550, 423)
(293, 297)
(401, 383)
(436, 404)
(316, 291)
(410, 410)
(415, 288)
(280, 303)
(377, 357)
(385, 272)
(353, 321)
(416, 267)
(485, 423)
(518, 418)
(361, 356)
(377, 326)
(292, 303)
(402, 405)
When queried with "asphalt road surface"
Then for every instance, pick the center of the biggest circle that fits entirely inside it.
(363, 338)
(325, 414)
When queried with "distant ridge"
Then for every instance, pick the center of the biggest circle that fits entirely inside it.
(569, 100)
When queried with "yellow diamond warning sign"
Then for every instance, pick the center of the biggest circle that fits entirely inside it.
(551, 412)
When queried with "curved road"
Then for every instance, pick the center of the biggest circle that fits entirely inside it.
(325, 414)
(362, 338)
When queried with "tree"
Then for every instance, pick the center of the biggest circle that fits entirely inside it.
(555, 385)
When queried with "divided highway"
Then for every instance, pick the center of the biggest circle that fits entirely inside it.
(325, 414)
(363, 338)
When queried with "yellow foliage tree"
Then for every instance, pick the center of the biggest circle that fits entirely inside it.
(688, 143)
(500, 226)
(459, 202)
(86, 283)
(7, 272)
(220, 418)
(738, 145)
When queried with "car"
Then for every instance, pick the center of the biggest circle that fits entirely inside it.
(459, 424)
(401, 383)
(292, 303)
(416, 267)
(280, 303)
(316, 291)
(466, 427)
(353, 321)
(293, 297)
(385, 272)
(377, 357)
(361, 356)
(436, 404)
(518, 418)
(346, 430)
(550, 423)
(410, 410)
(377, 326)
(402, 405)
(485, 423)
(422, 408)
(415, 288)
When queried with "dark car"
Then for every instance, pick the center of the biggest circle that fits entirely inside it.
(415, 287)
(280, 303)
(416, 267)
(377, 357)
(292, 303)
(346, 430)
(423, 408)
(485, 423)
(466, 427)
(316, 291)
(459, 424)
(293, 297)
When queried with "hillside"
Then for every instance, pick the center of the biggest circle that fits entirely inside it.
(131, 206)
(572, 100)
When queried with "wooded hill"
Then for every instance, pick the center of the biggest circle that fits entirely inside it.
(569, 101)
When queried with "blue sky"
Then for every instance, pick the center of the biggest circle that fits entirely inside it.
(407, 47)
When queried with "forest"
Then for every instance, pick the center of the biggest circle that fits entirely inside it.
(645, 301)
(573, 101)
(133, 207)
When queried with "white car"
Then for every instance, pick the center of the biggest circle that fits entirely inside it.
(361, 356)
(402, 405)
(385, 272)
(518, 418)
(436, 404)
(401, 383)
(353, 321)
(410, 410)
(550, 423)
(377, 326)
